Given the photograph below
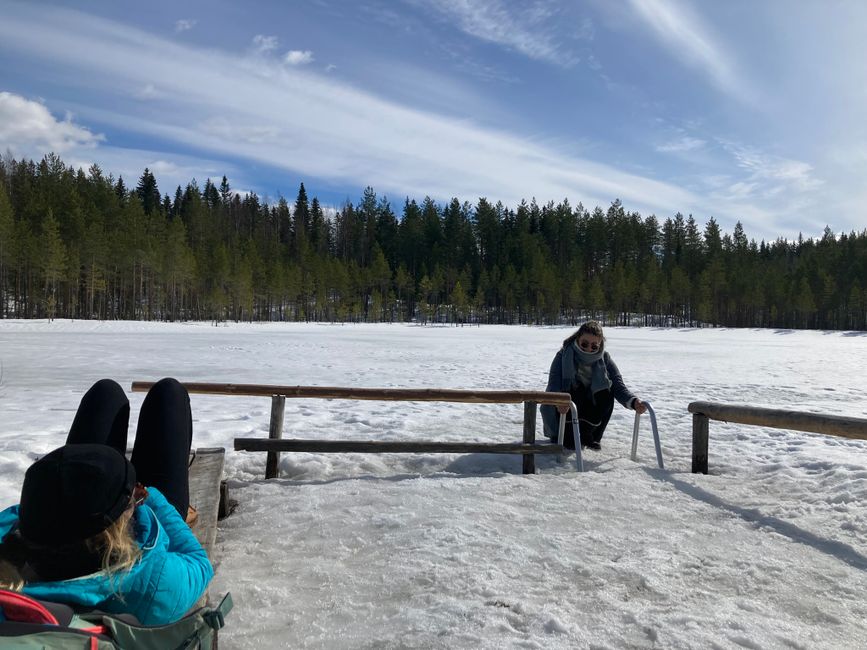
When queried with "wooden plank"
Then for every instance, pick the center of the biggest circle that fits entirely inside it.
(699, 443)
(560, 400)
(206, 471)
(529, 461)
(832, 425)
(391, 447)
(275, 432)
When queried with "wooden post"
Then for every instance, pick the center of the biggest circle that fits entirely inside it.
(227, 504)
(699, 443)
(275, 432)
(529, 436)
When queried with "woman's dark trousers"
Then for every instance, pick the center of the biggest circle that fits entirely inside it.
(594, 411)
(163, 437)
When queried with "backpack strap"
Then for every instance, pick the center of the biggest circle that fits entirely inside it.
(216, 618)
(24, 609)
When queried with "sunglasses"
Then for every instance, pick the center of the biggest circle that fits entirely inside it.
(587, 346)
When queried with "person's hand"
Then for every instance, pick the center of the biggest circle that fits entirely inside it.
(639, 406)
(139, 494)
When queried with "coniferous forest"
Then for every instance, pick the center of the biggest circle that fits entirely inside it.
(76, 244)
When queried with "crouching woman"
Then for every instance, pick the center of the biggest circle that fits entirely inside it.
(585, 370)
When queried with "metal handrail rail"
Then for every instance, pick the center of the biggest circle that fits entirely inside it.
(652, 413)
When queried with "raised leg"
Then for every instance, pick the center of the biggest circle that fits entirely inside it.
(102, 417)
(162, 442)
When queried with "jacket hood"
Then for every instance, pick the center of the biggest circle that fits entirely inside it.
(95, 588)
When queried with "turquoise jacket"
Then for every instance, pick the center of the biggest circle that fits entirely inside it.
(160, 588)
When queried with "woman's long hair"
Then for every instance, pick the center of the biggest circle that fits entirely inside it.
(119, 548)
(590, 327)
(115, 546)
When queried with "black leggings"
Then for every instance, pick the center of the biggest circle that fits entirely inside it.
(594, 411)
(163, 437)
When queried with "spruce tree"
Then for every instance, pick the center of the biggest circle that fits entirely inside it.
(148, 193)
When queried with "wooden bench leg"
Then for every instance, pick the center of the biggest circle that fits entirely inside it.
(275, 432)
(529, 436)
(227, 504)
(699, 443)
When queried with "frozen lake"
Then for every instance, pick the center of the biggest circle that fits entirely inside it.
(463, 551)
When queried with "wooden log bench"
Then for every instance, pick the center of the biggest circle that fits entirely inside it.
(703, 412)
(275, 444)
(207, 492)
(206, 475)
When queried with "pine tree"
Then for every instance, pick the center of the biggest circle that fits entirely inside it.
(458, 300)
(52, 261)
(300, 223)
(7, 244)
(320, 235)
(148, 193)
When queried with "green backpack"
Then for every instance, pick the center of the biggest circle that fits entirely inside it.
(27, 623)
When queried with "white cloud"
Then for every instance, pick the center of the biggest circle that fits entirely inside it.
(161, 167)
(690, 40)
(795, 174)
(28, 128)
(299, 57)
(742, 190)
(681, 145)
(313, 124)
(185, 24)
(528, 29)
(262, 43)
(252, 133)
(149, 91)
(330, 67)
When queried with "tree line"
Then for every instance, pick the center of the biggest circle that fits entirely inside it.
(76, 244)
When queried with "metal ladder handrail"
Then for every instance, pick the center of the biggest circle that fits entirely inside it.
(579, 461)
(653, 426)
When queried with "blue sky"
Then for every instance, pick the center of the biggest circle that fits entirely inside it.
(740, 110)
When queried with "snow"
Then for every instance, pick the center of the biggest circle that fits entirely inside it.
(443, 551)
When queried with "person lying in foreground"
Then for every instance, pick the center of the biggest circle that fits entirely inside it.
(88, 533)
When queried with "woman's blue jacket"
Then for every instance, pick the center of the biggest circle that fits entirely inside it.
(160, 588)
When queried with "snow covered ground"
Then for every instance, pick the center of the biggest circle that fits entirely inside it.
(451, 551)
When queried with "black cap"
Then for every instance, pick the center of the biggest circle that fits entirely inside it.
(73, 493)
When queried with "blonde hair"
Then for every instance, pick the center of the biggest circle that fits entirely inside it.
(117, 548)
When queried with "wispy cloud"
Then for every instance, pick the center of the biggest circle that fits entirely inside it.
(295, 119)
(28, 128)
(689, 39)
(262, 43)
(794, 175)
(681, 145)
(185, 24)
(771, 192)
(298, 57)
(528, 29)
(252, 133)
(149, 91)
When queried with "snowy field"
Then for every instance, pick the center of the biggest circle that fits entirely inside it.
(452, 551)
